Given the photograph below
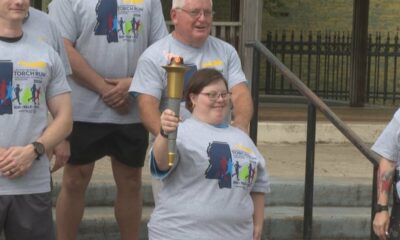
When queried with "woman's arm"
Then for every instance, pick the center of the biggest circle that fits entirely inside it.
(169, 123)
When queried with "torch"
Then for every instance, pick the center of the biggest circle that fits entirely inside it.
(175, 73)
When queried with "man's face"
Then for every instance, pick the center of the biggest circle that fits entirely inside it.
(193, 22)
(13, 10)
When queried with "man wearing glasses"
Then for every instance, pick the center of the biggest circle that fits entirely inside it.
(191, 40)
(26, 134)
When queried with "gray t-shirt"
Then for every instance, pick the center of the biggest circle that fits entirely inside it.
(388, 143)
(40, 25)
(31, 73)
(110, 35)
(206, 195)
(151, 79)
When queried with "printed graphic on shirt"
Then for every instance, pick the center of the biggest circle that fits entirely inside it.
(244, 165)
(220, 164)
(234, 168)
(6, 70)
(191, 70)
(119, 21)
(21, 88)
(212, 64)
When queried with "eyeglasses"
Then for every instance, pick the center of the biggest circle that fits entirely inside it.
(213, 96)
(196, 13)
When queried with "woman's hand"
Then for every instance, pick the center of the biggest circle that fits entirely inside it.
(169, 121)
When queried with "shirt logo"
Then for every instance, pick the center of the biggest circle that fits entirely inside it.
(119, 22)
(37, 64)
(212, 64)
(132, 1)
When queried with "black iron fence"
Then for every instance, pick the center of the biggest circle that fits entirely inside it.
(322, 62)
(314, 104)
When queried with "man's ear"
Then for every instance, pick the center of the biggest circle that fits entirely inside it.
(173, 16)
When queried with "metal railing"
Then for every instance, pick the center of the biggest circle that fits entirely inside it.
(314, 103)
(322, 61)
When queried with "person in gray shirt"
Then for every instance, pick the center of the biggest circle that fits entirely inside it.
(388, 147)
(204, 196)
(26, 134)
(104, 39)
(39, 25)
(191, 40)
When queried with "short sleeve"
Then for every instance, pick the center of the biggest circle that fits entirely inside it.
(387, 144)
(58, 82)
(236, 74)
(61, 12)
(261, 183)
(158, 26)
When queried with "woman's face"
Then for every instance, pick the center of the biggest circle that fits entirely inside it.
(212, 103)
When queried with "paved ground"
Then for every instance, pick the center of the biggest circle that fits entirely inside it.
(287, 160)
(298, 112)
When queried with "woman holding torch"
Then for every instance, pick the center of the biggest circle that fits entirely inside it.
(216, 187)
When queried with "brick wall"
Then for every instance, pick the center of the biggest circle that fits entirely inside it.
(332, 15)
(312, 15)
(221, 8)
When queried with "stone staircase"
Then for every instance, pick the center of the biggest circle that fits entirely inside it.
(343, 178)
(341, 203)
(341, 209)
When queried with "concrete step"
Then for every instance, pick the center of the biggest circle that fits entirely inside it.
(284, 223)
(281, 223)
(328, 191)
(285, 121)
(342, 195)
(296, 132)
(333, 191)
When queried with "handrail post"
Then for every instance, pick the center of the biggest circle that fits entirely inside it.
(374, 200)
(315, 103)
(309, 180)
(37, 4)
(254, 94)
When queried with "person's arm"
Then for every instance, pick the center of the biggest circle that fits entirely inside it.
(169, 123)
(258, 216)
(19, 159)
(83, 73)
(149, 113)
(242, 106)
(384, 182)
(62, 153)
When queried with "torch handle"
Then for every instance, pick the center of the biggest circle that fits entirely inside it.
(174, 105)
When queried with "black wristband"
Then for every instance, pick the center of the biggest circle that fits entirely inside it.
(381, 208)
(162, 133)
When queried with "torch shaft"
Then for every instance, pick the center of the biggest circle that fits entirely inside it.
(175, 71)
(174, 105)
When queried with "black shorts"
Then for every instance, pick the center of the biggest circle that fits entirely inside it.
(92, 141)
(27, 217)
